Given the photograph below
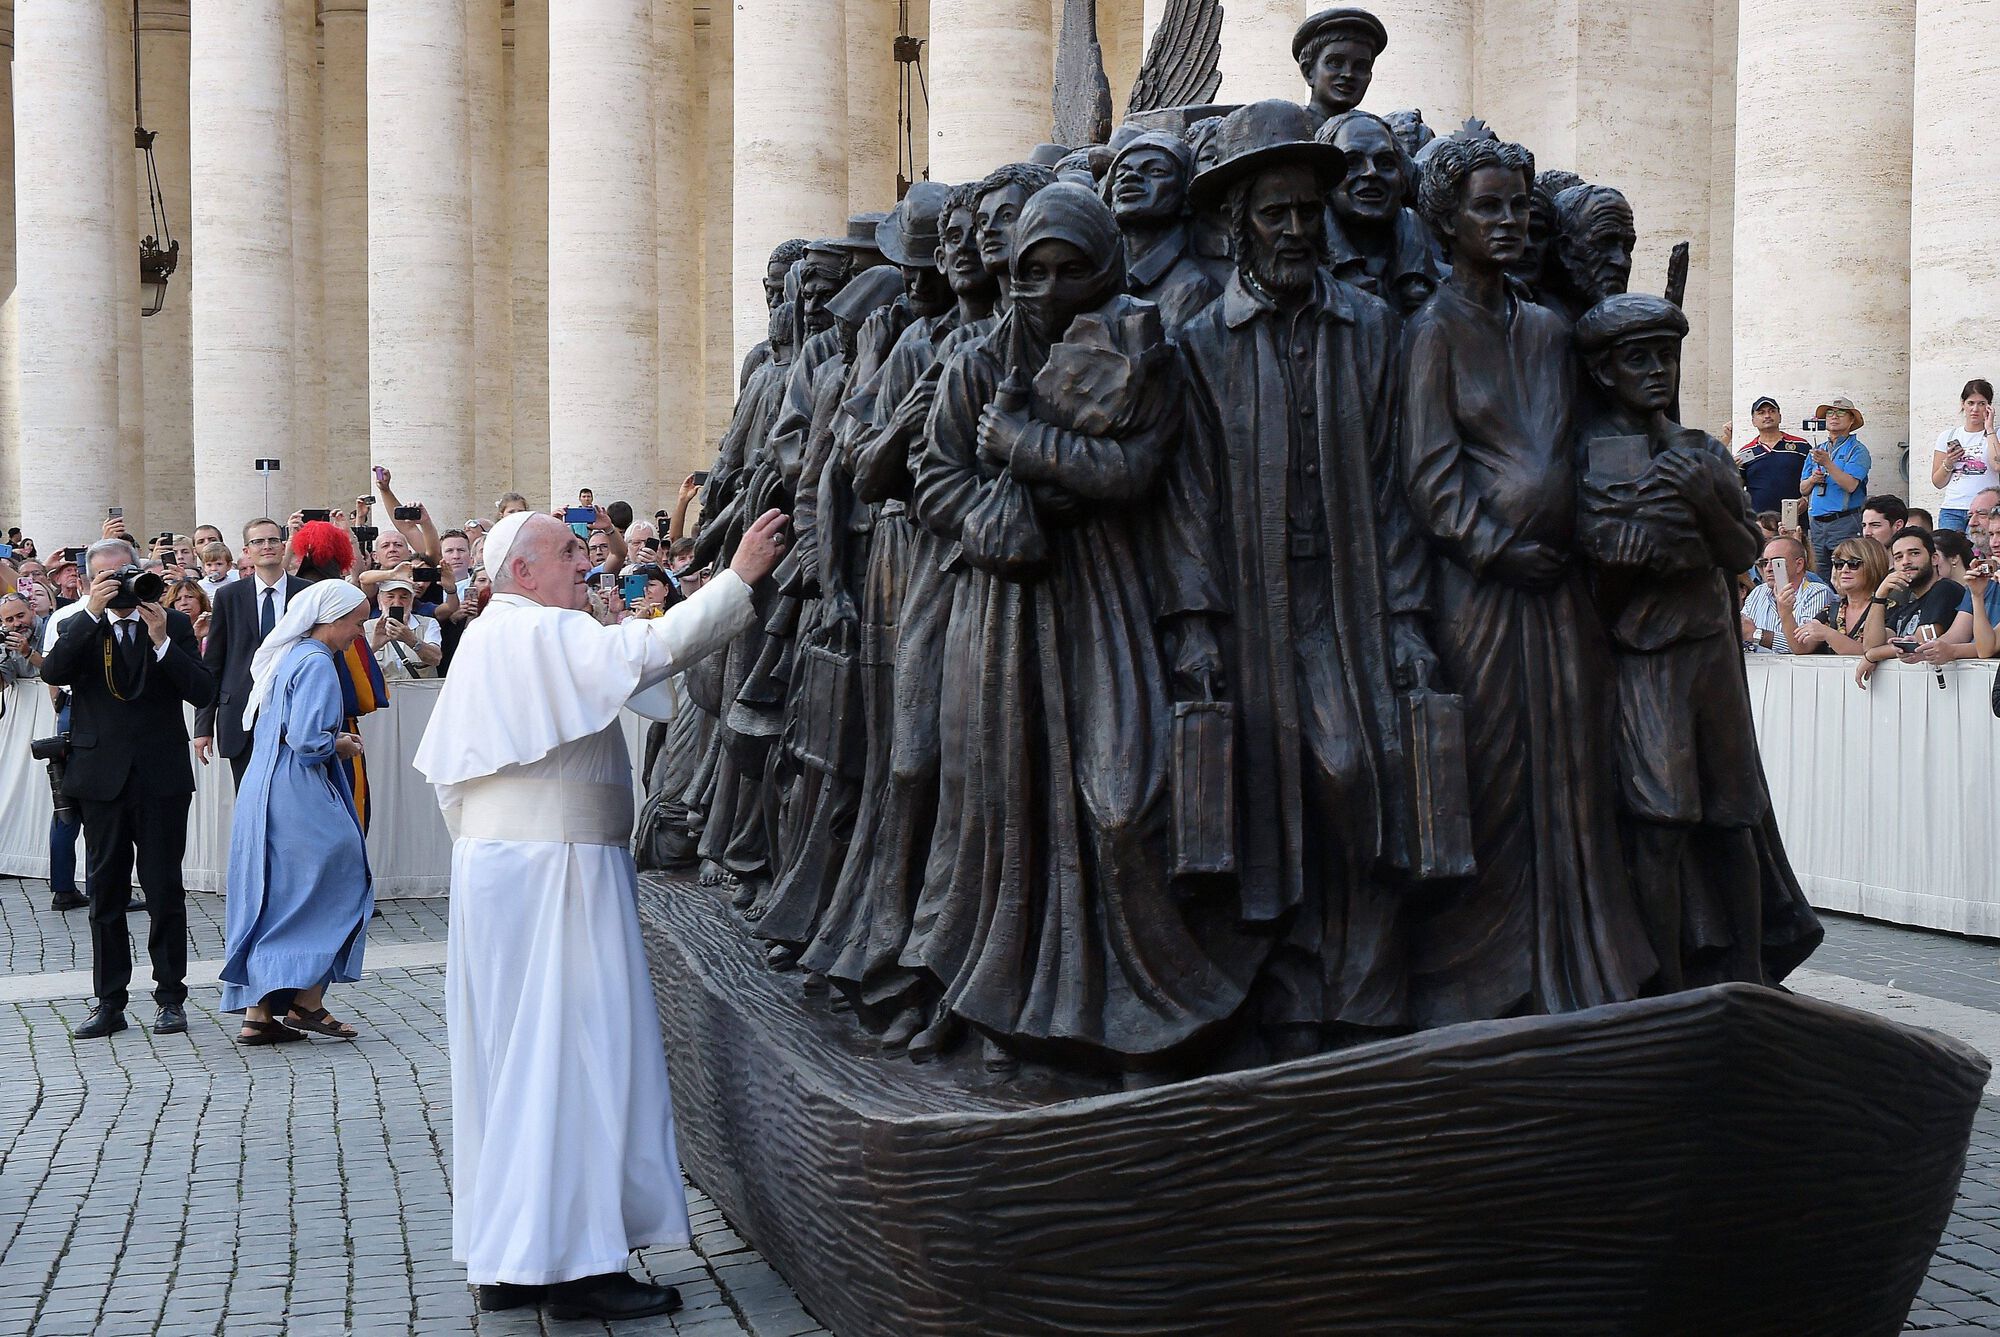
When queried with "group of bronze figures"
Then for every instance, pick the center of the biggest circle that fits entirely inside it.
(1250, 593)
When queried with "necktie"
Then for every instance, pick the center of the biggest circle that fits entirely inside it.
(128, 648)
(269, 617)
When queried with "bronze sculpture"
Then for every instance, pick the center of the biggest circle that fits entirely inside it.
(1313, 613)
(1147, 190)
(863, 931)
(1336, 50)
(1592, 246)
(1232, 647)
(1052, 924)
(1376, 241)
(1549, 922)
(1667, 525)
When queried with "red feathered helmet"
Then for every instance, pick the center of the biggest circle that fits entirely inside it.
(324, 551)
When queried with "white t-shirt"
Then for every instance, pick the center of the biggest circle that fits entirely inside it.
(1974, 473)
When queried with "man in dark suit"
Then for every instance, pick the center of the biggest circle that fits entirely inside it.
(128, 670)
(242, 616)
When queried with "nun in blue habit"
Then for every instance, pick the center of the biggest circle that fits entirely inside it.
(299, 891)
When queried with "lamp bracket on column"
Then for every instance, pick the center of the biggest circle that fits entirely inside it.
(910, 86)
(159, 253)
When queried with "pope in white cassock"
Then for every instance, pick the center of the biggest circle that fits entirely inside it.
(563, 1135)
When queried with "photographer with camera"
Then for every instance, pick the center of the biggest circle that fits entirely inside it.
(19, 659)
(406, 643)
(1834, 480)
(130, 665)
(243, 614)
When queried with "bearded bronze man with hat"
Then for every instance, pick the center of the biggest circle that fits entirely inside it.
(1312, 613)
(1336, 51)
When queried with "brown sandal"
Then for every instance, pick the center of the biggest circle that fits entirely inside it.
(319, 1023)
(265, 1033)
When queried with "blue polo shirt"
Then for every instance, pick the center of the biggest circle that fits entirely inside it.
(1852, 457)
(1992, 602)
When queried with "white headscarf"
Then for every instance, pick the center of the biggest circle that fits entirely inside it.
(314, 606)
(500, 542)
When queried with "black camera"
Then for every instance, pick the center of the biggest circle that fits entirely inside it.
(136, 586)
(365, 534)
(55, 751)
(1813, 425)
(409, 512)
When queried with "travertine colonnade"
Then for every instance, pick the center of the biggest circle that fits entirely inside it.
(518, 244)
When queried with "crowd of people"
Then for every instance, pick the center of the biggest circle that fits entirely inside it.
(312, 620)
(1847, 572)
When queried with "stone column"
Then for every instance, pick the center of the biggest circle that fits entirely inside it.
(492, 302)
(1427, 64)
(305, 479)
(528, 249)
(1716, 331)
(719, 364)
(1822, 287)
(678, 151)
(165, 347)
(991, 90)
(603, 279)
(65, 222)
(1607, 87)
(420, 252)
(1954, 266)
(1257, 50)
(871, 104)
(344, 238)
(10, 408)
(240, 137)
(791, 139)
(124, 161)
(1121, 33)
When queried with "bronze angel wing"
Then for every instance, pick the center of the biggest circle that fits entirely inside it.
(1183, 65)
(1082, 93)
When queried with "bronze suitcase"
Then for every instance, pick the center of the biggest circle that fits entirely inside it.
(827, 719)
(1204, 788)
(1440, 797)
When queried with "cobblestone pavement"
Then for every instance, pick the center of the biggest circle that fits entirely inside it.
(186, 1185)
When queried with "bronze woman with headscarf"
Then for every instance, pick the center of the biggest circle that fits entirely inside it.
(1047, 912)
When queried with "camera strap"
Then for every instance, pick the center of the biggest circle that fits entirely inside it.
(110, 668)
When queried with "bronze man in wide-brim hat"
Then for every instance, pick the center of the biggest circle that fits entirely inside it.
(1313, 613)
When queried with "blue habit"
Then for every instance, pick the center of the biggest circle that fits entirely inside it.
(299, 891)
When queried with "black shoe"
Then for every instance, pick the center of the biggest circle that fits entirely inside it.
(69, 900)
(136, 904)
(103, 1022)
(171, 1021)
(614, 1296)
(502, 1295)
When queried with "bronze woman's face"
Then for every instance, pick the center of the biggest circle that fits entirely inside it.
(1055, 282)
(1490, 228)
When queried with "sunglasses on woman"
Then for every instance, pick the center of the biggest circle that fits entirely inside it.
(1847, 563)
